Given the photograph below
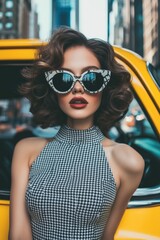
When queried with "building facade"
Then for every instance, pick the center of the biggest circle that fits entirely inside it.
(151, 24)
(65, 13)
(15, 18)
(135, 24)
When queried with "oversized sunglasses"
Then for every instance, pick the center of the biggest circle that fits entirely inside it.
(93, 81)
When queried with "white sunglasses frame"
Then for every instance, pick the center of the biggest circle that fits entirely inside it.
(105, 73)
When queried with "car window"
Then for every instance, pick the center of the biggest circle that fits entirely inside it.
(11, 78)
(15, 124)
(15, 119)
(154, 74)
(135, 130)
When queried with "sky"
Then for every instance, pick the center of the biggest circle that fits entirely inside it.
(43, 8)
(93, 18)
(93, 22)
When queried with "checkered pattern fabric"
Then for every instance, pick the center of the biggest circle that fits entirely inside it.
(71, 188)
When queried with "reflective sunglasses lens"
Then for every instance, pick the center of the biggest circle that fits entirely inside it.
(62, 82)
(93, 81)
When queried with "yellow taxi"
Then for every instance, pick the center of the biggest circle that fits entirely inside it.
(140, 129)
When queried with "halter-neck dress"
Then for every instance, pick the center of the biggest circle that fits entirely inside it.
(71, 188)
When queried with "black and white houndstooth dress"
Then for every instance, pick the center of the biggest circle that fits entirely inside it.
(71, 188)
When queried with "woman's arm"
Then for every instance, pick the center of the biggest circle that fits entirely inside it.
(20, 228)
(130, 166)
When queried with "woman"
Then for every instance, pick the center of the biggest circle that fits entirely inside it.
(76, 185)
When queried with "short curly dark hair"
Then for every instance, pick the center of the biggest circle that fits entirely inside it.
(116, 97)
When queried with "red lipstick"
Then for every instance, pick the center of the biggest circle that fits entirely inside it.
(78, 102)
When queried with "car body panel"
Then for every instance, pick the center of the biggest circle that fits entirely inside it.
(4, 219)
(138, 66)
(137, 223)
(150, 92)
(140, 223)
(19, 49)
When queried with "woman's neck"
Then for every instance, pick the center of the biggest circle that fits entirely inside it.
(79, 124)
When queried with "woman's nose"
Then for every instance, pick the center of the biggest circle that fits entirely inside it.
(78, 88)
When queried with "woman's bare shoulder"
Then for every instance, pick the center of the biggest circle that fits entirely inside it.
(125, 156)
(30, 148)
(32, 141)
(128, 158)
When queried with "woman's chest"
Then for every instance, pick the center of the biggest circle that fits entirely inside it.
(72, 185)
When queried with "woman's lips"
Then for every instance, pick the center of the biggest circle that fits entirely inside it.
(78, 102)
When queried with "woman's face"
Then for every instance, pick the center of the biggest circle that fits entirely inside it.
(78, 104)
